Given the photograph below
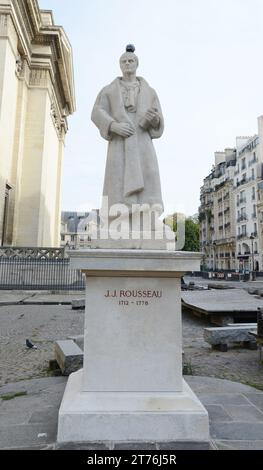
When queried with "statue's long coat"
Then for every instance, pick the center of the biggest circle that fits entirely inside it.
(132, 173)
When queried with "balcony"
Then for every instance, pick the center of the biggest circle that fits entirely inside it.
(242, 200)
(252, 162)
(254, 234)
(243, 181)
(242, 218)
(243, 235)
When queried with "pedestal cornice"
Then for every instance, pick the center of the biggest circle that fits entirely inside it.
(134, 263)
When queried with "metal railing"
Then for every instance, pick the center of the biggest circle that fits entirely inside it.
(19, 273)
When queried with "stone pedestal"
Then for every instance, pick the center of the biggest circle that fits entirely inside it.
(131, 387)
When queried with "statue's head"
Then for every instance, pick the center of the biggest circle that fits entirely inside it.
(129, 62)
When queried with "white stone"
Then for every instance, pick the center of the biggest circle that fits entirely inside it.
(133, 341)
(131, 386)
(128, 416)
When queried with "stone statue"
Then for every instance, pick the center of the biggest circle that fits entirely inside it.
(128, 114)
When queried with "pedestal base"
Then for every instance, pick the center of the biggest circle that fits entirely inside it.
(130, 416)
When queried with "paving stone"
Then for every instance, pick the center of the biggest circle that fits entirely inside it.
(80, 446)
(256, 399)
(206, 385)
(24, 436)
(135, 446)
(224, 399)
(19, 417)
(184, 445)
(247, 413)
(240, 430)
(218, 413)
(47, 414)
(239, 445)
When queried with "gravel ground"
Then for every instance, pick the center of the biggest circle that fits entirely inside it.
(45, 324)
(42, 325)
(237, 364)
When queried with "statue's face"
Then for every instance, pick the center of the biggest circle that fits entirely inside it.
(128, 63)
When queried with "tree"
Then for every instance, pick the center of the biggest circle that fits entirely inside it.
(192, 238)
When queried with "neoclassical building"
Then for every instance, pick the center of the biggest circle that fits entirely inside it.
(36, 97)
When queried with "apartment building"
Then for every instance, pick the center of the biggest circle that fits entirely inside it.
(216, 214)
(231, 211)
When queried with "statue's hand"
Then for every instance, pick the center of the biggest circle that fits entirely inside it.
(124, 129)
(153, 117)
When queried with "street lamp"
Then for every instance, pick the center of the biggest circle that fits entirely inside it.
(252, 238)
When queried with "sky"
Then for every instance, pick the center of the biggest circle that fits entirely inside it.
(203, 57)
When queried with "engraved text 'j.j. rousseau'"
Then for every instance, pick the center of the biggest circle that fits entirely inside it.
(137, 294)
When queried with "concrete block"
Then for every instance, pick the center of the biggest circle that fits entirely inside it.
(79, 340)
(68, 356)
(228, 335)
(78, 304)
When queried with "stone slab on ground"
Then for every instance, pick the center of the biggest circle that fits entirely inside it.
(69, 356)
(44, 394)
(223, 306)
(221, 301)
(229, 335)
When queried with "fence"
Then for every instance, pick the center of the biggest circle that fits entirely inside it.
(18, 273)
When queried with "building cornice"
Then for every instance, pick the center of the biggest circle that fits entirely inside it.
(44, 46)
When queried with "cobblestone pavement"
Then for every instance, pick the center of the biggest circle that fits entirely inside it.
(237, 364)
(42, 325)
(45, 324)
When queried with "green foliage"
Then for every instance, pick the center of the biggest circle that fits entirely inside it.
(11, 396)
(192, 237)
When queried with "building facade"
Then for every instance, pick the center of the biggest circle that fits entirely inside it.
(217, 225)
(77, 229)
(231, 210)
(36, 96)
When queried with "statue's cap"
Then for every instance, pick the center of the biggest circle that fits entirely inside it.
(130, 48)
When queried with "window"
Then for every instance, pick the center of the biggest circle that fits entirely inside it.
(243, 164)
(253, 174)
(62, 238)
(253, 194)
(255, 228)
(72, 238)
(244, 229)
